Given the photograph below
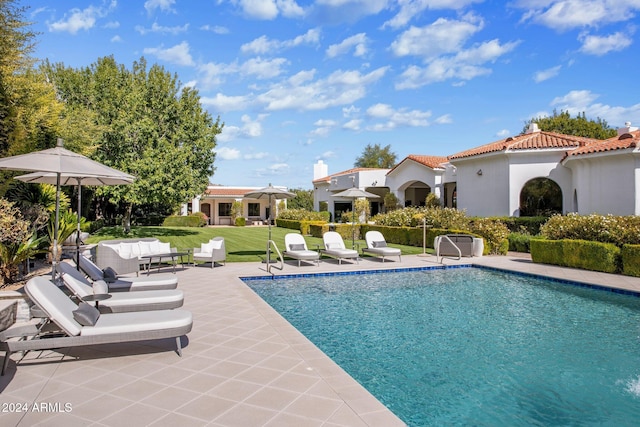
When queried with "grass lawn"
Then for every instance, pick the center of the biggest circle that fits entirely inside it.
(244, 244)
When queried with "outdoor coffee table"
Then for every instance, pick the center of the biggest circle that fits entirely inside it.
(173, 256)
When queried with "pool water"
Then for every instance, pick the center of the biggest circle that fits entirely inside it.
(470, 346)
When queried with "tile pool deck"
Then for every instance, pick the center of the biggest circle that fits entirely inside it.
(243, 364)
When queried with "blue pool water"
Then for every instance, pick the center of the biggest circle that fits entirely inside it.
(471, 346)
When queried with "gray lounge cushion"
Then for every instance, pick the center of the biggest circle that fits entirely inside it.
(86, 314)
(296, 247)
(109, 275)
(381, 244)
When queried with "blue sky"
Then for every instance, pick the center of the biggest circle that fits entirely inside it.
(297, 81)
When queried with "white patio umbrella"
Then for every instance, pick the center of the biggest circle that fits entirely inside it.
(269, 193)
(57, 161)
(354, 193)
(115, 177)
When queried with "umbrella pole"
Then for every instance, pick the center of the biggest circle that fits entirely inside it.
(269, 241)
(78, 228)
(54, 261)
(353, 223)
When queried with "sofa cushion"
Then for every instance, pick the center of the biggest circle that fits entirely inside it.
(164, 248)
(380, 244)
(297, 247)
(144, 249)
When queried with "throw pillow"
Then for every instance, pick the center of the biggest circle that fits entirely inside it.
(381, 244)
(86, 314)
(296, 247)
(109, 275)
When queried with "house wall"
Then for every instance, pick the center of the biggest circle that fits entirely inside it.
(409, 173)
(607, 183)
(486, 194)
(524, 166)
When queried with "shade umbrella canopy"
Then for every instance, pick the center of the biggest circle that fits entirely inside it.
(269, 193)
(56, 160)
(115, 177)
(354, 193)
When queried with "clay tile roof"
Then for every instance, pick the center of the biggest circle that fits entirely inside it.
(529, 141)
(432, 162)
(620, 142)
(227, 192)
(346, 172)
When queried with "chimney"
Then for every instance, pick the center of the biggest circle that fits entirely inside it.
(320, 170)
(627, 128)
(533, 128)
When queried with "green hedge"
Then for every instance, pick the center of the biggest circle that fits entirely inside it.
(519, 224)
(519, 242)
(631, 260)
(584, 254)
(241, 221)
(300, 225)
(193, 220)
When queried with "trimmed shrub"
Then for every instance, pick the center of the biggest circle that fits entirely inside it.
(519, 242)
(618, 230)
(495, 234)
(193, 220)
(631, 260)
(288, 223)
(241, 221)
(523, 224)
(584, 254)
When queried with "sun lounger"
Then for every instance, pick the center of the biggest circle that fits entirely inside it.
(119, 302)
(108, 328)
(334, 247)
(125, 284)
(377, 246)
(296, 248)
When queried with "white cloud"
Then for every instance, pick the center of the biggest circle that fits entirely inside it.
(255, 156)
(300, 92)
(112, 25)
(504, 133)
(579, 101)
(214, 74)
(116, 39)
(249, 129)
(262, 45)
(222, 103)
(397, 118)
(358, 42)
(441, 37)
(465, 65)
(269, 9)
(563, 15)
(336, 11)
(444, 119)
(84, 19)
(601, 45)
(350, 111)
(353, 124)
(155, 28)
(411, 8)
(323, 127)
(163, 5)
(263, 68)
(326, 155)
(226, 153)
(543, 75)
(178, 54)
(215, 29)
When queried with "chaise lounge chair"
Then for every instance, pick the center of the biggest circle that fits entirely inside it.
(120, 302)
(296, 248)
(125, 284)
(108, 328)
(334, 247)
(377, 246)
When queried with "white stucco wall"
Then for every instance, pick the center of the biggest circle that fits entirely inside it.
(486, 194)
(410, 172)
(525, 166)
(607, 183)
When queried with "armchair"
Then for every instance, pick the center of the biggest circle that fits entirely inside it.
(213, 251)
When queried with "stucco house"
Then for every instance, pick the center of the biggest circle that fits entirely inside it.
(534, 172)
(217, 200)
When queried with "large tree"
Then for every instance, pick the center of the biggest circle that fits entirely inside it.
(563, 123)
(144, 122)
(303, 199)
(29, 110)
(375, 156)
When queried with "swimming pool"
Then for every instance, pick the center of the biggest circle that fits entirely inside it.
(471, 346)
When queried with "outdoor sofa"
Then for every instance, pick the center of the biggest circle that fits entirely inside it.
(127, 255)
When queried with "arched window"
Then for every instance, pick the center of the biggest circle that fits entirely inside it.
(540, 196)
